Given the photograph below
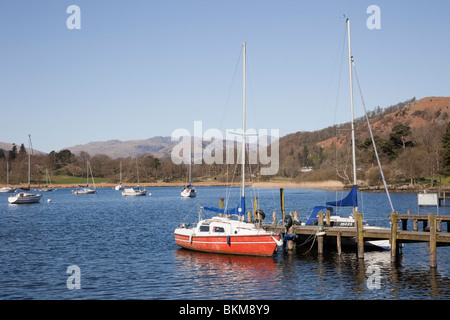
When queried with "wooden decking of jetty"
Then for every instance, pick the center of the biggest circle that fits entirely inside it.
(397, 234)
(403, 236)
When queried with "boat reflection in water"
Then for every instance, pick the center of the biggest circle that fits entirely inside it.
(226, 276)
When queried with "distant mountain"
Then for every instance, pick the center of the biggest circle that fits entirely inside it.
(156, 146)
(159, 147)
(6, 147)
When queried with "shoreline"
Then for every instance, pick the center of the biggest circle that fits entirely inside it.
(326, 185)
(269, 184)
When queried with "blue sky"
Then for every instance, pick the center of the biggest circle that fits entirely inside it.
(138, 69)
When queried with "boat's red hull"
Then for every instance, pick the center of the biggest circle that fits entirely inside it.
(255, 245)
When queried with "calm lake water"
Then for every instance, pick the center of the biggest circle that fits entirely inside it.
(124, 248)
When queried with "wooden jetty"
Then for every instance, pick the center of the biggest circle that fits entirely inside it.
(431, 232)
(395, 234)
(398, 234)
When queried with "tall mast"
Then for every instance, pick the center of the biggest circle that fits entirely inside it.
(190, 169)
(351, 101)
(120, 171)
(243, 122)
(29, 161)
(87, 172)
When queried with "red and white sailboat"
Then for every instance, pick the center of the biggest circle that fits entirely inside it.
(229, 236)
(223, 234)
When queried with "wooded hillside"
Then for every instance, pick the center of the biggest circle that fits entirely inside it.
(412, 139)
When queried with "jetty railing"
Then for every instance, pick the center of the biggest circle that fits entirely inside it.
(431, 233)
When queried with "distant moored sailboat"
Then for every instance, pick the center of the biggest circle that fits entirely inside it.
(26, 197)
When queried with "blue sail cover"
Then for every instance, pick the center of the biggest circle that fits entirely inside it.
(240, 210)
(314, 217)
(351, 200)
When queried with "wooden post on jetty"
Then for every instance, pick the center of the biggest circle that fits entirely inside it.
(394, 247)
(220, 206)
(432, 223)
(320, 237)
(415, 225)
(274, 217)
(291, 242)
(360, 235)
(282, 204)
(327, 218)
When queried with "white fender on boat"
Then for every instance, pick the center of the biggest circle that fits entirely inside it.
(278, 242)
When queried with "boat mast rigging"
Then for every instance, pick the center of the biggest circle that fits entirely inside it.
(351, 64)
(243, 120)
(350, 59)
